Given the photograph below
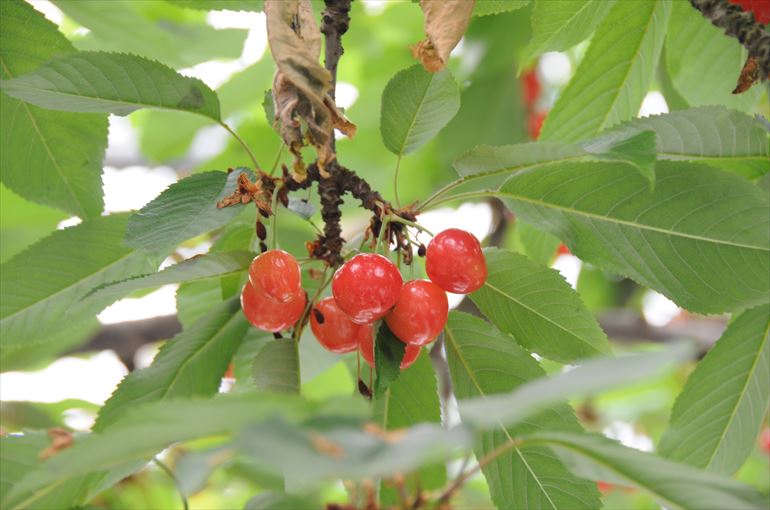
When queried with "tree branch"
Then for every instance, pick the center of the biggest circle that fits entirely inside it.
(336, 22)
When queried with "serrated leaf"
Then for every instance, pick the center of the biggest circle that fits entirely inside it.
(145, 430)
(638, 150)
(189, 365)
(416, 105)
(483, 361)
(558, 26)
(276, 367)
(702, 238)
(118, 83)
(726, 139)
(673, 485)
(388, 353)
(65, 266)
(535, 305)
(185, 209)
(692, 41)
(52, 158)
(613, 77)
(583, 380)
(718, 415)
(218, 5)
(411, 399)
(487, 7)
(201, 268)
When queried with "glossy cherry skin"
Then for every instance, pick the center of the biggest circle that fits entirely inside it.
(760, 8)
(366, 287)
(454, 261)
(420, 312)
(277, 274)
(367, 352)
(531, 87)
(266, 314)
(337, 333)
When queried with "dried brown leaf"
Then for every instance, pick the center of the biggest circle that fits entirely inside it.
(750, 74)
(326, 446)
(445, 24)
(61, 439)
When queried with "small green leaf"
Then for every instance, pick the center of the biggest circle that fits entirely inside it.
(388, 353)
(614, 76)
(189, 365)
(487, 7)
(716, 418)
(584, 380)
(52, 158)
(535, 305)
(558, 26)
(702, 238)
(185, 209)
(66, 266)
(673, 485)
(276, 367)
(482, 362)
(268, 106)
(416, 104)
(118, 83)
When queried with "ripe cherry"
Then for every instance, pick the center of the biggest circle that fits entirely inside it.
(367, 352)
(531, 87)
(760, 8)
(455, 261)
(420, 312)
(277, 274)
(266, 314)
(334, 329)
(366, 287)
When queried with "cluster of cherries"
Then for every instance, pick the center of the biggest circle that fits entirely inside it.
(367, 288)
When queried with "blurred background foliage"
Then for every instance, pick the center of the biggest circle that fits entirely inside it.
(150, 149)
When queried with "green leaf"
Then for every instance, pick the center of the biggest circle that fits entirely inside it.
(411, 399)
(726, 139)
(483, 362)
(116, 83)
(693, 41)
(278, 501)
(36, 356)
(487, 7)
(146, 429)
(416, 104)
(276, 367)
(637, 150)
(218, 5)
(313, 453)
(66, 265)
(673, 485)
(581, 381)
(534, 243)
(185, 209)
(200, 268)
(153, 30)
(718, 415)
(52, 158)
(702, 238)
(189, 365)
(388, 353)
(613, 77)
(535, 305)
(558, 26)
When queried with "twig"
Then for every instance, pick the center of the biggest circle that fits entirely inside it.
(336, 22)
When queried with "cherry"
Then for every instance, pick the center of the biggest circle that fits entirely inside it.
(455, 262)
(420, 312)
(535, 124)
(367, 352)
(760, 8)
(266, 314)
(277, 274)
(334, 329)
(366, 287)
(531, 87)
(563, 250)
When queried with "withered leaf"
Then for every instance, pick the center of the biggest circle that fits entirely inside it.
(445, 24)
(750, 74)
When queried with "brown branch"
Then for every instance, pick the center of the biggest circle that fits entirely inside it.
(335, 22)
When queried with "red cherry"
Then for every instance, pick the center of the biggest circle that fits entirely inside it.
(760, 8)
(367, 352)
(531, 87)
(420, 312)
(455, 262)
(277, 274)
(266, 314)
(335, 331)
(563, 250)
(765, 441)
(604, 487)
(535, 124)
(366, 287)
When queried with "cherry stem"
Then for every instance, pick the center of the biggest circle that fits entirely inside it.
(274, 218)
(395, 182)
(173, 477)
(277, 160)
(399, 219)
(230, 130)
(310, 302)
